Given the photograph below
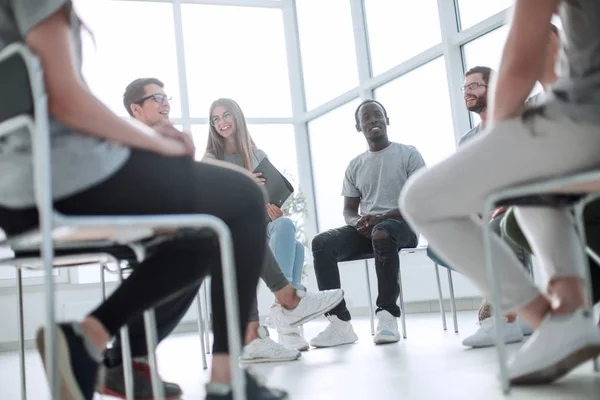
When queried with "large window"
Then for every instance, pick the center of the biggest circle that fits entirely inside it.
(418, 106)
(334, 141)
(138, 42)
(236, 52)
(393, 27)
(328, 52)
(475, 11)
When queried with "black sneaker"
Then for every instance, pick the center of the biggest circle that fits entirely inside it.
(254, 391)
(77, 368)
(114, 384)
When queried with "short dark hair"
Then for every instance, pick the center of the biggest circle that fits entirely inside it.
(136, 89)
(365, 103)
(484, 71)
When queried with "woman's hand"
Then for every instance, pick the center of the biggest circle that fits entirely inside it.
(170, 147)
(258, 177)
(167, 130)
(274, 211)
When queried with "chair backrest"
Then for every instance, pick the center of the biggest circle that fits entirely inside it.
(16, 96)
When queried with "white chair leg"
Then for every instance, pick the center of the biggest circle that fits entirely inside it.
(201, 329)
(22, 375)
(151, 341)
(103, 280)
(370, 299)
(208, 322)
(580, 226)
(441, 296)
(401, 298)
(125, 346)
(452, 300)
(493, 282)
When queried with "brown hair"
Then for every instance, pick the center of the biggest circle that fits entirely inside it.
(135, 91)
(484, 71)
(243, 140)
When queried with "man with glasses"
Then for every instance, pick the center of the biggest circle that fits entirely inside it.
(146, 101)
(475, 91)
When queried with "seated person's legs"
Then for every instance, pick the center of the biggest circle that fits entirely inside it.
(168, 315)
(292, 308)
(514, 329)
(513, 231)
(388, 237)
(281, 234)
(328, 248)
(444, 213)
(177, 265)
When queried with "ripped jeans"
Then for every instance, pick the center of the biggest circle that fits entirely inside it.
(343, 243)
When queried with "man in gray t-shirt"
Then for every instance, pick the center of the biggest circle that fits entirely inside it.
(372, 182)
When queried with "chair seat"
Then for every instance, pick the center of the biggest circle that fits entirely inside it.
(367, 256)
(542, 200)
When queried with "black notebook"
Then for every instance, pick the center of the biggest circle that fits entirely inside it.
(278, 188)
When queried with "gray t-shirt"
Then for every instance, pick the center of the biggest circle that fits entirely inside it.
(236, 158)
(79, 161)
(470, 135)
(577, 91)
(378, 177)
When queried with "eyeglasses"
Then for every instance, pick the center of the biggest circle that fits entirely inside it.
(227, 116)
(157, 97)
(472, 86)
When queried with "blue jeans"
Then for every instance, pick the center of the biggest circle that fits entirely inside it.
(288, 252)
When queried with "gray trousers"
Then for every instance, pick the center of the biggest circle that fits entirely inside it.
(441, 202)
(272, 276)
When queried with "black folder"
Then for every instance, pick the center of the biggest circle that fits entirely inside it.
(278, 188)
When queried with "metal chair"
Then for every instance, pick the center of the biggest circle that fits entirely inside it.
(437, 262)
(573, 192)
(30, 112)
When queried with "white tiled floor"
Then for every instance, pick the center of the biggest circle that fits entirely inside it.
(430, 364)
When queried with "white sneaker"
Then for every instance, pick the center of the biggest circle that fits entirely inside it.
(387, 328)
(293, 340)
(264, 349)
(312, 305)
(337, 333)
(559, 345)
(486, 334)
(525, 327)
(289, 336)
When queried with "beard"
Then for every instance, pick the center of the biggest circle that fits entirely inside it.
(480, 104)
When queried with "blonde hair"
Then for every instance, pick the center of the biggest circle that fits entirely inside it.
(244, 143)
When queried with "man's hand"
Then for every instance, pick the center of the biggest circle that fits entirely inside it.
(166, 129)
(274, 211)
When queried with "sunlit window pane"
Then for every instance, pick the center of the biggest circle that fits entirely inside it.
(392, 26)
(418, 106)
(474, 11)
(328, 52)
(134, 39)
(236, 52)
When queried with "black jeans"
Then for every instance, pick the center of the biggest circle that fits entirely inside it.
(344, 243)
(168, 315)
(151, 184)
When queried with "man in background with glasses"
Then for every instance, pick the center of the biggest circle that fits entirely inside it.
(145, 100)
(475, 92)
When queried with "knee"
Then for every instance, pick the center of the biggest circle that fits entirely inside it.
(380, 235)
(320, 242)
(284, 224)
